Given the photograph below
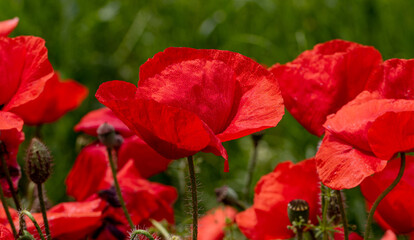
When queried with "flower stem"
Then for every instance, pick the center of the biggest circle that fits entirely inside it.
(299, 235)
(118, 189)
(193, 196)
(324, 212)
(30, 216)
(43, 209)
(250, 169)
(343, 214)
(10, 183)
(160, 228)
(6, 210)
(382, 195)
(142, 232)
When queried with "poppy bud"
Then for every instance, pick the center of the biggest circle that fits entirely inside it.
(298, 209)
(228, 196)
(38, 161)
(108, 137)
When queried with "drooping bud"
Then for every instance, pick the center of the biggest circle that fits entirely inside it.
(108, 137)
(298, 209)
(38, 161)
(257, 136)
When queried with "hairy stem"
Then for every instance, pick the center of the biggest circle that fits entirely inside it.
(142, 232)
(324, 212)
(193, 195)
(382, 195)
(118, 189)
(343, 214)
(43, 209)
(6, 210)
(30, 216)
(160, 228)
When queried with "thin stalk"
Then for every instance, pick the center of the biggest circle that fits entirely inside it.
(160, 228)
(324, 212)
(382, 195)
(343, 214)
(299, 235)
(193, 196)
(250, 169)
(10, 183)
(6, 210)
(142, 232)
(118, 189)
(30, 216)
(43, 209)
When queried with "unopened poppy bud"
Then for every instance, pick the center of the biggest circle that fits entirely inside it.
(226, 195)
(108, 137)
(38, 161)
(298, 209)
(257, 136)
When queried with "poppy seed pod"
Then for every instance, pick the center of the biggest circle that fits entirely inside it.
(38, 161)
(108, 137)
(298, 209)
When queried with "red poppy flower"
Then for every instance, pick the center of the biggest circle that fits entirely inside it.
(267, 218)
(7, 26)
(5, 233)
(395, 211)
(24, 70)
(389, 235)
(320, 81)
(345, 156)
(11, 136)
(394, 79)
(56, 99)
(90, 123)
(211, 226)
(191, 100)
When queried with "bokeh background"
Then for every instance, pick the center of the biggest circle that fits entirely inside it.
(97, 41)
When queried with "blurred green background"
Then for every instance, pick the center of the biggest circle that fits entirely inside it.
(98, 41)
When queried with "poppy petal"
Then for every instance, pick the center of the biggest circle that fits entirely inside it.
(56, 99)
(90, 123)
(231, 93)
(7, 26)
(320, 81)
(341, 165)
(212, 225)
(24, 69)
(392, 133)
(394, 79)
(394, 211)
(171, 131)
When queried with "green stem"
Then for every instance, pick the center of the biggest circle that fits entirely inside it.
(160, 228)
(324, 212)
(299, 235)
(30, 216)
(382, 195)
(343, 214)
(10, 183)
(142, 232)
(43, 209)
(250, 169)
(118, 189)
(193, 196)
(6, 210)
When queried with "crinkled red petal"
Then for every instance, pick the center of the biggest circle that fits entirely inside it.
(320, 81)
(232, 94)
